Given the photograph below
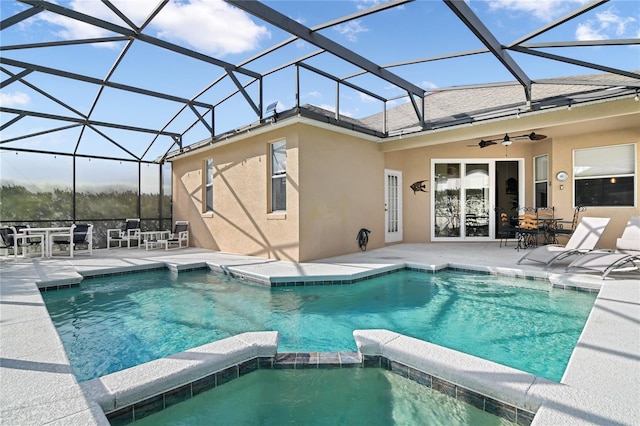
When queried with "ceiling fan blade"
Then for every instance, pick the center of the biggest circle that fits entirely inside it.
(484, 144)
(536, 137)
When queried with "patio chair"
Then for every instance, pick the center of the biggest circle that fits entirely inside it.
(560, 230)
(584, 239)
(527, 228)
(125, 235)
(16, 238)
(179, 238)
(78, 235)
(626, 256)
(545, 223)
(507, 228)
(7, 240)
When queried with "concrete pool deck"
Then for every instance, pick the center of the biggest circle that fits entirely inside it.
(37, 385)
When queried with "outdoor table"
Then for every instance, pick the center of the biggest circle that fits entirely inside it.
(47, 234)
(151, 238)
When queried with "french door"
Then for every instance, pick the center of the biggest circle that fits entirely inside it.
(393, 206)
(463, 196)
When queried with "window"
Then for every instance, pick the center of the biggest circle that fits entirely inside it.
(278, 176)
(541, 180)
(605, 176)
(208, 185)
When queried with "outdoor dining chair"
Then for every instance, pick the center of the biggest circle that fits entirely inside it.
(78, 235)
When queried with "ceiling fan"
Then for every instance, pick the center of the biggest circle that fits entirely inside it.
(508, 140)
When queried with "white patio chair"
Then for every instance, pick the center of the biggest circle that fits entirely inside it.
(79, 234)
(626, 256)
(16, 239)
(129, 233)
(179, 238)
(585, 238)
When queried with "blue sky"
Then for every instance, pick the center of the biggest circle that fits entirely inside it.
(420, 29)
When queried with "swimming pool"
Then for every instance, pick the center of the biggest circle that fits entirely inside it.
(322, 397)
(112, 323)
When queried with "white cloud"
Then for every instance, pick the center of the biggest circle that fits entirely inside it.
(609, 19)
(71, 29)
(428, 85)
(351, 30)
(367, 4)
(587, 31)
(211, 26)
(314, 94)
(14, 99)
(545, 10)
(366, 98)
(606, 25)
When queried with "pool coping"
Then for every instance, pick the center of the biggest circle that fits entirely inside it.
(604, 363)
(132, 394)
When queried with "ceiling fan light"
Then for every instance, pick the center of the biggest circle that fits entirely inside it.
(506, 142)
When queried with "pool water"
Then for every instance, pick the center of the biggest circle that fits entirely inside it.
(112, 323)
(352, 396)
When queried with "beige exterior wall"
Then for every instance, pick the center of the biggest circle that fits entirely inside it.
(241, 222)
(335, 180)
(342, 190)
(562, 160)
(415, 164)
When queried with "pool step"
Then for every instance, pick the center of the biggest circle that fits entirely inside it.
(300, 360)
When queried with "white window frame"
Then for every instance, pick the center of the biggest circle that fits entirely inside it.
(277, 176)
(537, 179)
(605, 175)
(207, 196)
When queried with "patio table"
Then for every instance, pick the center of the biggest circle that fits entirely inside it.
(47, 233)
(151, 239)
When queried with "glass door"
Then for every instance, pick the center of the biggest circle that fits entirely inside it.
(393, 206)
(476, 190)
(462, 200)
(446, 203)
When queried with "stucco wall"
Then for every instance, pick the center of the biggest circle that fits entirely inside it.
(415, 165)
(241, 222)
(562, 160)
(335, 183)
(341, 191)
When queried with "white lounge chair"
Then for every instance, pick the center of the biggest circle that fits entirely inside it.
(179, 238)
(585, 238)
(625, 258)
(130, 232)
